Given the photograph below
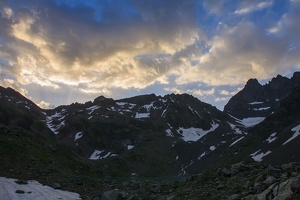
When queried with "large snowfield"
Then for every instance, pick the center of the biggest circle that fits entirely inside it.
(33, 190)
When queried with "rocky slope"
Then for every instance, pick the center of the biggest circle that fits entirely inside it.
(248, 181)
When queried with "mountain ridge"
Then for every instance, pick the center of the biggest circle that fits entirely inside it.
(173, 134)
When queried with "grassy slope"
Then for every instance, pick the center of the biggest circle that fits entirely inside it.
(25, 155)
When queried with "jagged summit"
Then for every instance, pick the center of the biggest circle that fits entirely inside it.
(253, 83)
(257, 100)
(296, 79)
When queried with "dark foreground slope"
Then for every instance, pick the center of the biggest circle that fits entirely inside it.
(29, 151)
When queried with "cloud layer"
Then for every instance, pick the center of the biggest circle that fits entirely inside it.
(112, 47)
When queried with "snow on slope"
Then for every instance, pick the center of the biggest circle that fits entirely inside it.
(272, 138)
(142, 115)
(59, 117)
(297, 133)
(255, 103)
(235, 128)
(97, 155)
(248, 122)
(194, 134)
(236, 141)
(259, 109)
(169, 133)
(32, 190)
(78, 135)
(92, 109)
(251, 121)
(258, 157)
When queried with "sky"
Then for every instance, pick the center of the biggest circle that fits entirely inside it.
(57, 52)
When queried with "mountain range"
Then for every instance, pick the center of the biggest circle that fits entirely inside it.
(172, 135)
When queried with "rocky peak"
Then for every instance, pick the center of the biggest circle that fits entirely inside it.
(280, 82)
(257, 100)
(296, 79)
(16, 97)
(253, 83)
(141, 99)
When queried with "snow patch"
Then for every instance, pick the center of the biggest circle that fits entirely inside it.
(202, 155)
(169, 133)
(78, 135)
(236, 141)
(112, 109)
(251, 121)
(194, 134)
(183, 168)
(121, 103)
(259, 109)
(33, 190)
(97, 155)
(255, 103)
(297, 133)
(92, 109)
(148, 106)
(130, 147)
(163, 113)
(126, 104)
(258, 157)
(194, 111)
(235, 128)
(142, 115)
(272, 138)
(212, 148)
(57, 116)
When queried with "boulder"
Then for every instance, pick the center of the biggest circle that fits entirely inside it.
(234, 197)
(280, 191)
(224, 172)
(111, 195)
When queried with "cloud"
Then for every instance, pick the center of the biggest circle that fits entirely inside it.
(288, 25)
(220, 99)
(201, 93)
(71, 46)
(44, 104)
(195, 92)
(92, 47)
(254, 6)
(238, 53)
(225, 92)
(214, 6)
(7, 13)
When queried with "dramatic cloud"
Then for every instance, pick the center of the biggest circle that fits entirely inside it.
(87, 48)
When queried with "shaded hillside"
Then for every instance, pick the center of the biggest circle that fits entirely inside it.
(148, 134)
